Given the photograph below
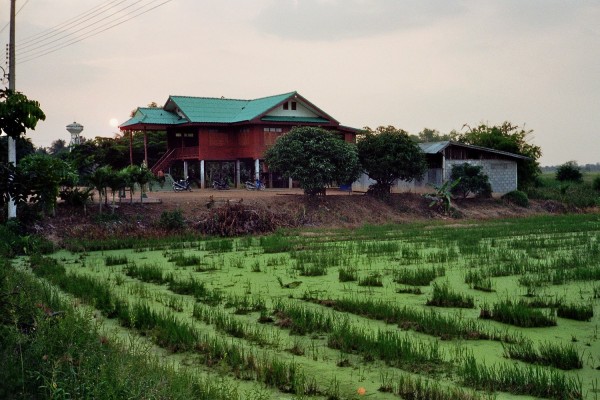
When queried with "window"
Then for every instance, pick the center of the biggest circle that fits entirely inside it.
(279, 130)
(293, 105)
(285, 105)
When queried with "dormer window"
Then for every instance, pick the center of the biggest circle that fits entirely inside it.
(293, 105)
(285, 105)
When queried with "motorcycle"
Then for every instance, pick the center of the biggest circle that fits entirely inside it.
(257, 185)
(182, 185)
(220, 184)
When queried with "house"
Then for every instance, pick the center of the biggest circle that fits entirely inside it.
(499, 166)
(210, 138)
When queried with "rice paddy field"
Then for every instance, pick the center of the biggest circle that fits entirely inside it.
(504, 309)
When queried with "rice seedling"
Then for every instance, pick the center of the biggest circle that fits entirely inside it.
(245, 304)
(518, 314)
(218, 245)
(565, 357)
(523, 380)
(442, 296)
(152, 273)
(237, 262)
(276, 243)
(300, 319)
(255, 267)
(115, 260)
(418, 276)
(373, 279)
(415, 388)
(478, 281)
(348, 274)
(310, 269)
(578, 312)
(182, 260)
(409, 290)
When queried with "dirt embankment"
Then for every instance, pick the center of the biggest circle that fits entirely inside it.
(241, 211)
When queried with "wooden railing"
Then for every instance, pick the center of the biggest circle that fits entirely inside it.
(179, 153)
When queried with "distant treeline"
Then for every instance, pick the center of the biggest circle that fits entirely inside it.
(583, 168)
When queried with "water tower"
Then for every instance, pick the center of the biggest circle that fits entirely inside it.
(74, 129)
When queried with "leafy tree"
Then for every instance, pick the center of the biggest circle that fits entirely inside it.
(430, 135)
(510, 138)
(23, 145)
(596, 184)
(42, 176)
(140, 175)
(388, 154)
(99, 181)
(116, 181)
(570, 172)
(18, 113)
(57, 147)
(471, 180)
(315, 157)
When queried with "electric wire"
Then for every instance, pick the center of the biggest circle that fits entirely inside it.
(16, 13)
(93, 33)
(23, 50)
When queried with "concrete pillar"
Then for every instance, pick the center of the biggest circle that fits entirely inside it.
(238, 165)
(202, 179)
(256, 169)
(290, 184)
(185, 169)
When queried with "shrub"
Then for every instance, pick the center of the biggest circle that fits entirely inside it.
(570, 172)
(472, 181)
(517, 197)
(172, 220)
(596, 183)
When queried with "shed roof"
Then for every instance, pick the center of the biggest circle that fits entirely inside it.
(153, 116)
(438, 147)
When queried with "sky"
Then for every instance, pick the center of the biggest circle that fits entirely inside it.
(412, 64)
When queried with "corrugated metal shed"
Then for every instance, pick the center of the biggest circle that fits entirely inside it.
(438, 147)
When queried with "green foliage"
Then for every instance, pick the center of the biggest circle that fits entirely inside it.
(472, 181)
(315, 157)
(172, 220)
(442, 198)
(517, 197)
(99, 180)
(569, 172)
(510, 138)
(596, 184)
(18, 113)
(42, 175)
(388, 154)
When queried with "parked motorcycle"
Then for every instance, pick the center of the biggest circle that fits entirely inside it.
(182, 185)
(257, 185)
(220, 184)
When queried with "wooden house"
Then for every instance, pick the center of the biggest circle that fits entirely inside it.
(226, 138)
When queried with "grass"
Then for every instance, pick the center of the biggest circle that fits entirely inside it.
(115, 260)
(418, 277)
(565, 357)
(517, 313)
(348, 274)
(579, 312)
(443, 296)
(373, 279)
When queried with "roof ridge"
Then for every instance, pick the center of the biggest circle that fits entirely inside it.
(208, 98)
(276, 95)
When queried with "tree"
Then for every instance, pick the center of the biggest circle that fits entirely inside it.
(388, 154)
(430, 135)
(24, 147)
(570, 172)
(510, 138)
(57, 147)
(42, 176)
(99, 180)
(140, 175)
(470, 180)
(315, 157)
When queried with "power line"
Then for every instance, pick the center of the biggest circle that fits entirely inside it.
(79, 17)
(46, 41)
(17, 13)
(97, 31)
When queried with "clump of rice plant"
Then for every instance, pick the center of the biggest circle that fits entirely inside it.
(518, 314)
(578, 312)
(443, 296)
(414, 388)
(276, 243)
(565, 357)
(182, 260)
(517, 379)
(311, 269)
(374, 279)
(219, 245)
(115, 260)
(255, 267)
(152, 273)
(409, 290)
(479, 281)
(418, 276)
(348, 274)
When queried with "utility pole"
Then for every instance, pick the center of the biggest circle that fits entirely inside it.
(12, 148)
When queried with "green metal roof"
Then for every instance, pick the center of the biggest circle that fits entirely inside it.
(153, 116)
(294, 119)
(220, 110)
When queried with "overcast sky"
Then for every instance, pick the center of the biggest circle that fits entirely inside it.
(408, 63)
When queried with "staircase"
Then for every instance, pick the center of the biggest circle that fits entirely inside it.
(164, 162)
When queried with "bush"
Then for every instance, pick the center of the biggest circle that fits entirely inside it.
(570, 172)
(596, 184)
(517, 197)
(472, 181)
(172, 220)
